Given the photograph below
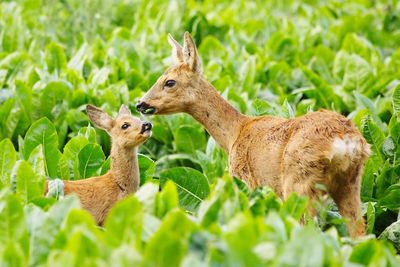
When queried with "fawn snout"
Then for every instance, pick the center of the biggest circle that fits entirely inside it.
(146, 126)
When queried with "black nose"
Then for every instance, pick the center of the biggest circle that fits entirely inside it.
(142, 106)
(146, 126)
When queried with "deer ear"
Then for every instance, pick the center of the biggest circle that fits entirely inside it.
(124, 110)
(190, 53)
(99, 118)
(177, 52)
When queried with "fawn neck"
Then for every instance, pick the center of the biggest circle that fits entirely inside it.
(222, 121)
(124, 168)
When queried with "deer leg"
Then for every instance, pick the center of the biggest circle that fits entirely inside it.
(347, 198)
(301, 186)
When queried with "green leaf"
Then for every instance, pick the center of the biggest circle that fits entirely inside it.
(191, 184)
(89, 133)
(124, 223)
(91, 158)
(169, 245)
(70, 155)
(12, 218)
(8, 156)
(55, 57)
(396, 100)
(370, 218)
(13, 256)
(28, 186)
(42, 132)
(294, 206)
(373, 134)
(52, 97)
(189, 138)
(147, 167)
(167, 199)
(45, 226)
(391, 197)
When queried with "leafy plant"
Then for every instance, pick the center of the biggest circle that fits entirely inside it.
(283, 58)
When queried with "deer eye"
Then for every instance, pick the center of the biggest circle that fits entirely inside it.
(170, 83)
(125, 126)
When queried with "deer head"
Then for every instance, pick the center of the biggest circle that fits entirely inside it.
(179, 86)
(125, 130)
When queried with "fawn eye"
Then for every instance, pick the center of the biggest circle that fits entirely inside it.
(170, 83)
(125, 126)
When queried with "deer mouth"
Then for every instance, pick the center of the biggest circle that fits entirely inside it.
(145, 108)
(149, 111)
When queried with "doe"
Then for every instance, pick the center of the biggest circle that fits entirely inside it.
(99, 194)
(289, 155)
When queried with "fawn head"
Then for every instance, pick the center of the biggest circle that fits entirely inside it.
(125, 130)
(179, 86)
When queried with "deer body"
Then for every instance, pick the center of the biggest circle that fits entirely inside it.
(98, 194)
(289, 155)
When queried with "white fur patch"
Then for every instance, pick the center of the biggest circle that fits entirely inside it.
(344, 147)
(343, 151)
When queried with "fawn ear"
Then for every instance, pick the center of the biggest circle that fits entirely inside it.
(190, 53)
(124, 110)
(99, 118)
(177, 53)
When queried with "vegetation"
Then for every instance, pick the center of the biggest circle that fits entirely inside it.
(267, 57)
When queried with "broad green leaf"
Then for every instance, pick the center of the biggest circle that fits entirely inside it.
(391, 197)
(105, 167)
(44, 227)
(168, 245)
(368, 253)
(8, 118)
(55, 57)
(370, 218)
(13, 256)
(124, 223)
(12, 218)
(70, 155)
(90, 157)
(167, 199)
(294, 206)
(396, 100)
(28, 185)
(189, 138)
(42, 132)
(373, 134)
(191, 184)
(89, 133)
(52, 97)
(8, 157)
(294, 253)
(146, 167)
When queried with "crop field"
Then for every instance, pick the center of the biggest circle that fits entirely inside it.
(283, 58)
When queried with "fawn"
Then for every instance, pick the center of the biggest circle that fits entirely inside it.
(99, 194)
(289, 155)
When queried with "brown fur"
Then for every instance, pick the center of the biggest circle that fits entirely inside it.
(290, 155)
(98, 194)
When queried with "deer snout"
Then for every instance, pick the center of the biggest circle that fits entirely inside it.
(145, 108)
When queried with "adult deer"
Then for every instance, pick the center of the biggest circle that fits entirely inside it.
(99, 194)
(289, 155)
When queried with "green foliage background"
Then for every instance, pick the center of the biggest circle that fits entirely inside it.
(282, 58)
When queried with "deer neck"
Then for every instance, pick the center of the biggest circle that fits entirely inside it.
(221, 120)
(124, 168)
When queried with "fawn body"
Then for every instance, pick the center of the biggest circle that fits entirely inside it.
(290, 155)
(99, 194)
